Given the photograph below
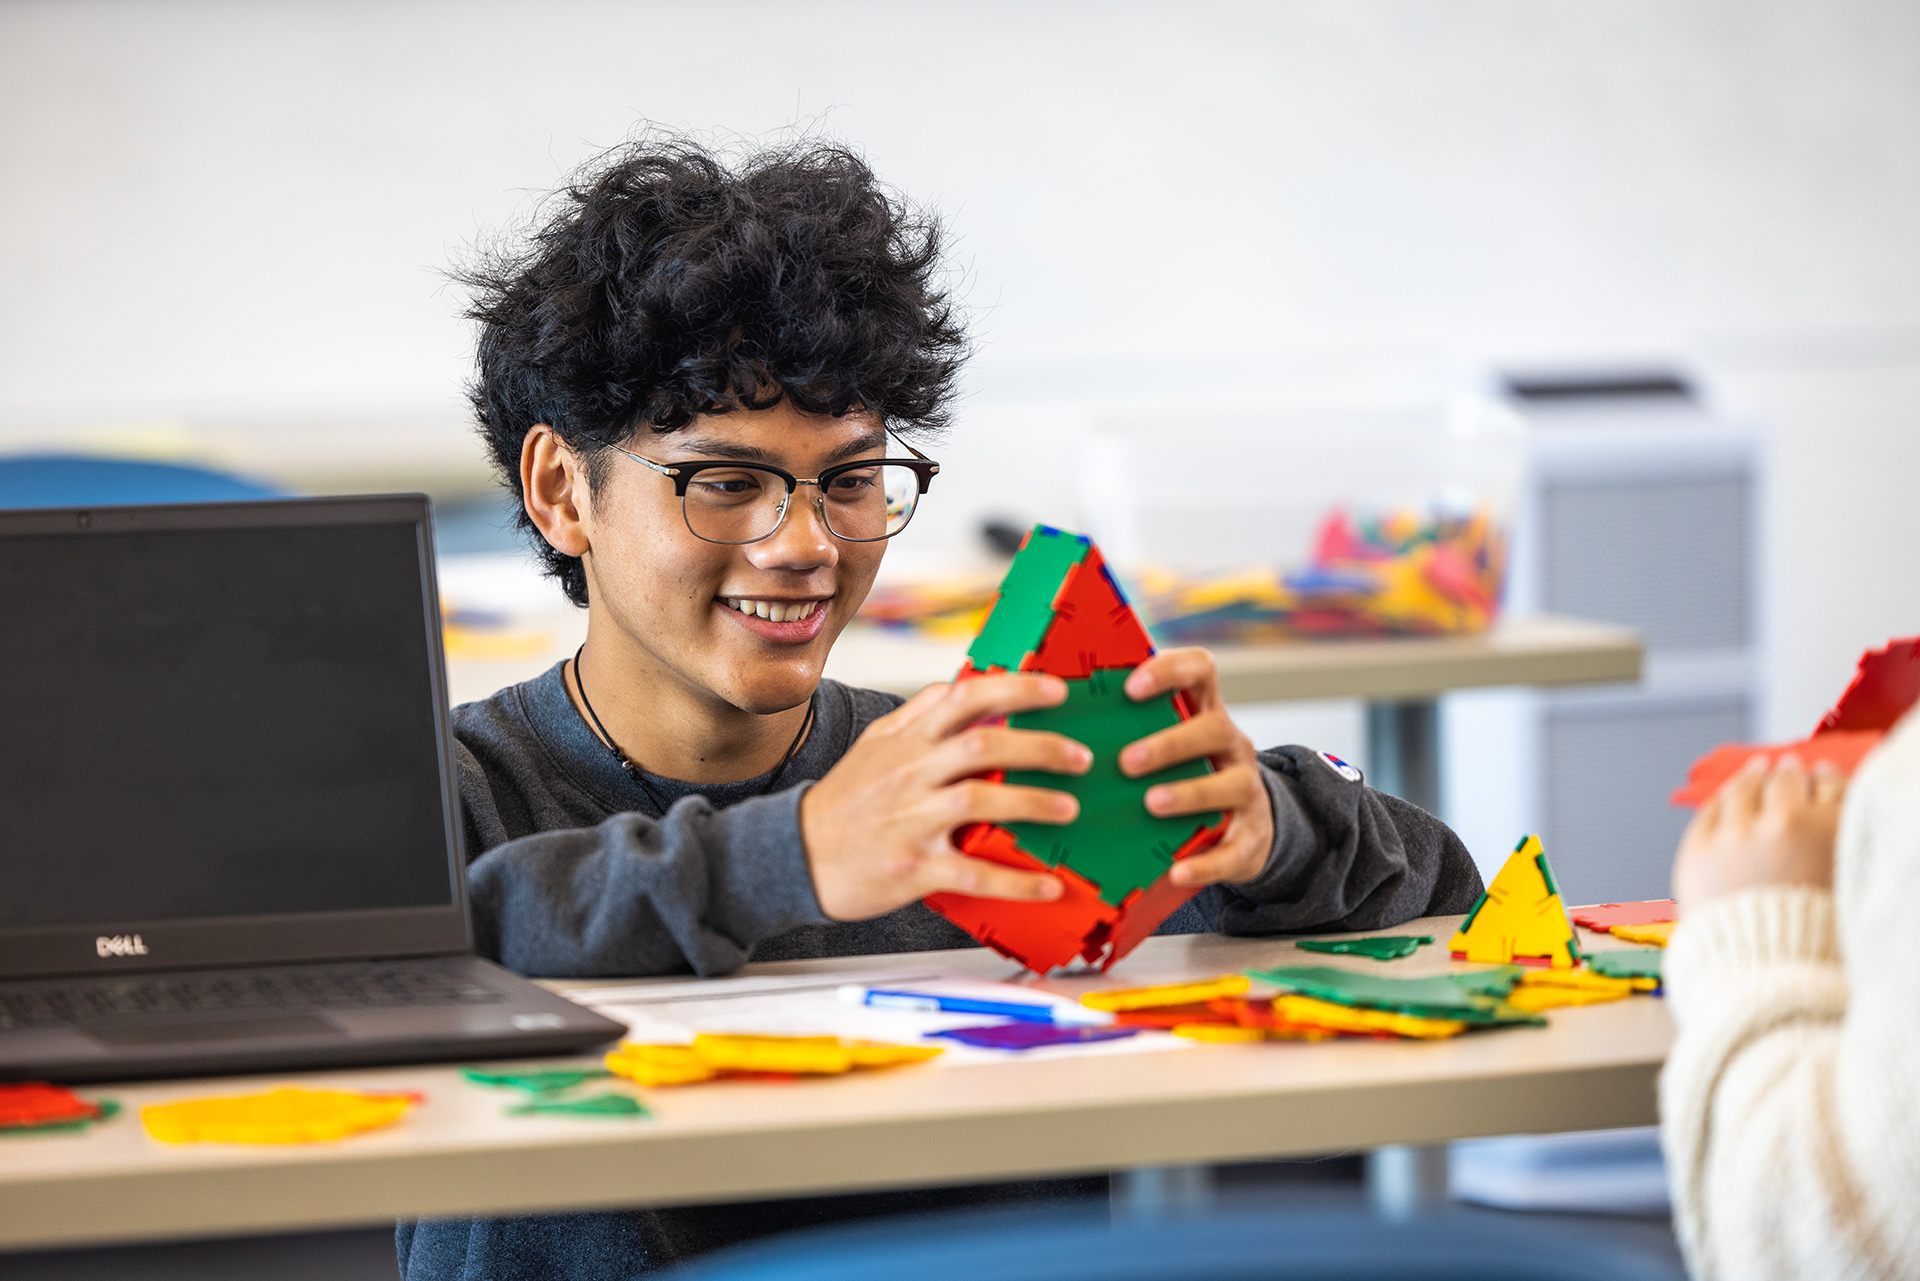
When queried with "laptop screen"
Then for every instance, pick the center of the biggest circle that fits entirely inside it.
(217, 722)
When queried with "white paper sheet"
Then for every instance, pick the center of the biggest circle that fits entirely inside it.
(810, 1005)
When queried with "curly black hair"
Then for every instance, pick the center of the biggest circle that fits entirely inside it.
(663, 281)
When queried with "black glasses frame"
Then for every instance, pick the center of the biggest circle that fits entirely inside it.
(682, 474)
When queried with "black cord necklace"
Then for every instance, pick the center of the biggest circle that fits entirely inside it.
(634, 772)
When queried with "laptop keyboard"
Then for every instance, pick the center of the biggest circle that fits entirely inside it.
(333, 987)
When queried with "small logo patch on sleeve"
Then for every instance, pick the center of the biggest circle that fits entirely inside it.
(1340, 767)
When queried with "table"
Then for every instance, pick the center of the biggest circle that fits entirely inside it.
(1592, 1067)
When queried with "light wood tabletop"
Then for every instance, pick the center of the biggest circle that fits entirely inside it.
(1534, 650)
(460, 1153)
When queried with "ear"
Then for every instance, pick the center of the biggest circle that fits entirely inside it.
(553, 482)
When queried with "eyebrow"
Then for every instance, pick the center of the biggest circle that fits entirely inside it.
(714, 448)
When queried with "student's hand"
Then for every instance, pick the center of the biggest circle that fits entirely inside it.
(1234, 786)
(878, 828)
(1764, 827)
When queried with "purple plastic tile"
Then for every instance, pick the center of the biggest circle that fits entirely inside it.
(1031, 1036)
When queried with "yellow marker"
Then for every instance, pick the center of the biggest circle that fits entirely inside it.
(1147, 998)
(1654, 935)
(276, 1116)
(1346, 1018)
(1519, 915)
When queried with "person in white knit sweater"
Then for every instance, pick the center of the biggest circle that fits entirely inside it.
(1790, 1106)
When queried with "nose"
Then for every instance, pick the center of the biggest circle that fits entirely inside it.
(802, 540)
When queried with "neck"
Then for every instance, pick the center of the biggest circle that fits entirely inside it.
(668, 729)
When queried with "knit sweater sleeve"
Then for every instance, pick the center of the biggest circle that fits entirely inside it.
(1790, 1104)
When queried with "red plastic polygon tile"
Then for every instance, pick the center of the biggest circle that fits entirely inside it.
(1885, 685)
(1604, 916)
(1842, 749)
(1093, 626)
(1042, 935)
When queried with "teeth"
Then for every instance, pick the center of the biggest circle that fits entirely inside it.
(772, 610)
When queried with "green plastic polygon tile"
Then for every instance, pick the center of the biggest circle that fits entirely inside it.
(1115, 843)
(1469, 998)
(606, 1105)
(1628, 962)
(1380, 947)
(536, 1080)
(1023, 611)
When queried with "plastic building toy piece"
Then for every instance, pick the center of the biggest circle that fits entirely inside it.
(276, 1116)
(1227, 1032)
(538, 1080)
(1520, 916)
(1167, 994)
(1885, 685)
(607, 1105)
(1550, 989)
(1467, 998)
(1170, 1016)
(1653, 935)
(37, 1104)
(1059, 610)
(1094, 629)
(1604, 916)
(1031, 1036)
(713, 1056)
(1629, 963)
(1303, 1017)
(1381, 947)
(1842, 749)
(1023, 611)
(107, 1110)
(1115, 843)
(659, 1065)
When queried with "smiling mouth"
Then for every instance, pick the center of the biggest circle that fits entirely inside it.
(774, 611)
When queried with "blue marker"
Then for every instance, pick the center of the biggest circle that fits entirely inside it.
(933, 1002)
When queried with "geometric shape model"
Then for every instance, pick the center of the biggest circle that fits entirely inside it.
(1060, 611)
(1605, 916)
(1885, 685)
(1476, 999)
(1520, 917)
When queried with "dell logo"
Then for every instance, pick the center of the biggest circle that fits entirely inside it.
(119, 945)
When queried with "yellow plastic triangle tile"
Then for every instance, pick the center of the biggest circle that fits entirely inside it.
(1520, 917)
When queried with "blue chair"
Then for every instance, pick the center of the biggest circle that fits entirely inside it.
(1343, 1245)
(79, 480)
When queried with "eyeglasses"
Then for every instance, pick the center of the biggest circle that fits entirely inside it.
(860, 502)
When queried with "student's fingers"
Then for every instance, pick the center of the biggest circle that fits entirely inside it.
(976, 800)
(1193, 739)
(1227, 790)
(985, 698)
(1739, 799)
(1829, 784)
(1191, 670)
(916, 708)
(1788, 784)
(959, 873)
(984, 748)
(1226, 861)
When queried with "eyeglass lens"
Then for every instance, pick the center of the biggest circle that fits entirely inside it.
(743, 504)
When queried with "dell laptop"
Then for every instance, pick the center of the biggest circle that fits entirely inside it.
(229, 815)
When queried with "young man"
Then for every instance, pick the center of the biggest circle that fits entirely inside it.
(699, 380)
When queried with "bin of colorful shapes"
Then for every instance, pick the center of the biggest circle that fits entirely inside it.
(713, 1057)
(275, 1116)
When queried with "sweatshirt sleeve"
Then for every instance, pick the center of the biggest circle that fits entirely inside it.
(1790, 1103)
(694, 890)
(1345, 857)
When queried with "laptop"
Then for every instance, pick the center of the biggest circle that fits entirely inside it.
(229, 815)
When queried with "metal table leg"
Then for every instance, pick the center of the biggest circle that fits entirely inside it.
(1403, 751)
(1403, 1182)
(1161, 1191)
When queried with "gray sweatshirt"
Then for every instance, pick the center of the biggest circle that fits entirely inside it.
(573, 872)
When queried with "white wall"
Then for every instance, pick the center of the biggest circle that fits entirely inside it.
(235, 212)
